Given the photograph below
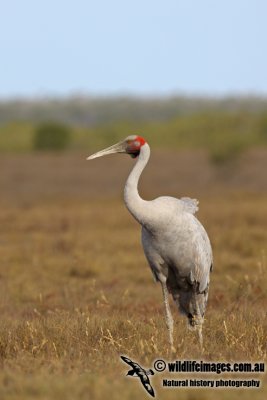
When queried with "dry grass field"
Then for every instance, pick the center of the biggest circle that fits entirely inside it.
(76, 291)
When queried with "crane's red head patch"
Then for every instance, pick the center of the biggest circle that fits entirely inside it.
(134, 144)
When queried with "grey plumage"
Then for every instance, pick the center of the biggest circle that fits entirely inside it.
(179, 253)
(175, 243)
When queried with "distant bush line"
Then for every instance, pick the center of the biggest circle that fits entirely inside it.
(223, 134)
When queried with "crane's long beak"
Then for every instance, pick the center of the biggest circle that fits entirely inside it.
(116, 148)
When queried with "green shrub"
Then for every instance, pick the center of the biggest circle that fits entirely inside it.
(51, 136)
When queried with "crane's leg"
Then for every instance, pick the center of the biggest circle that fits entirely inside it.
(200, 336)
(192, 304)
(195, 324)
(168, 315)
(199, 319)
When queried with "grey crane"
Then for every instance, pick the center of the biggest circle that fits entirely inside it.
(175, 243)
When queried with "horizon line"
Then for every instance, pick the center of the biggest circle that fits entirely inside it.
(156, 95)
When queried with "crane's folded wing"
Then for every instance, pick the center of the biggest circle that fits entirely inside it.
(202, 259)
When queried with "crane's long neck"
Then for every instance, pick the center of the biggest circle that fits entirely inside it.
(135, 204)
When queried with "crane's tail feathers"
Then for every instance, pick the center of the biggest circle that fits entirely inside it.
(190, 205)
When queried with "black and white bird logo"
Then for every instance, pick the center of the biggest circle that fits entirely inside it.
(140, 373)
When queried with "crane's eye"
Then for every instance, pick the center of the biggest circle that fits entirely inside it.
(133, 148)
(133, 142)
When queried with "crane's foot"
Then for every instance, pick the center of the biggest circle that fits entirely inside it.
(172, 349)
(170, 329)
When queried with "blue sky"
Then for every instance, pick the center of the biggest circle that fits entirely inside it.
(139, 47)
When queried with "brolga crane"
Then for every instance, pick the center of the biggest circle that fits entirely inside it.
(175, 243)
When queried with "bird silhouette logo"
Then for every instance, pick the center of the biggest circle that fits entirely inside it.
(138, 372)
